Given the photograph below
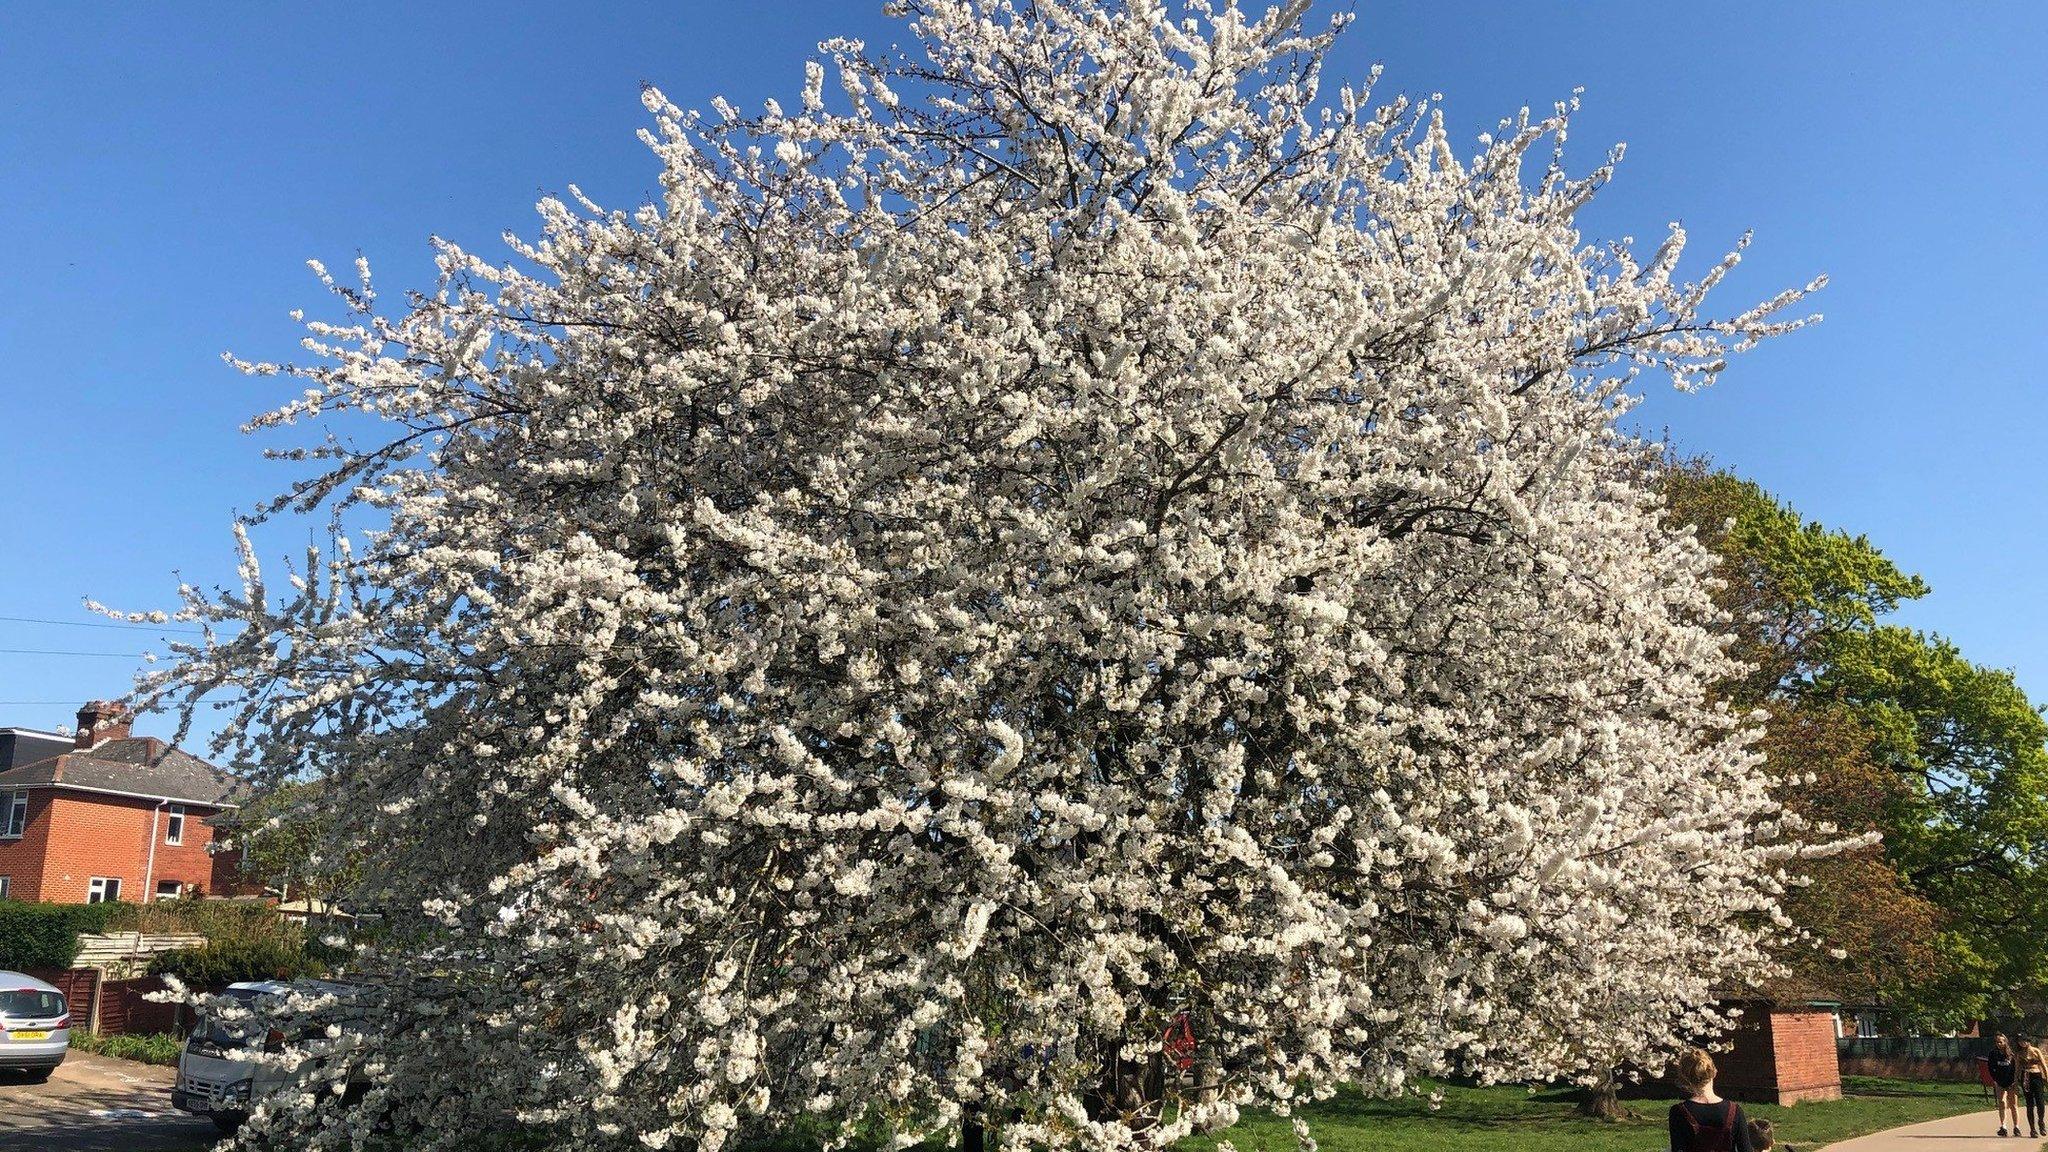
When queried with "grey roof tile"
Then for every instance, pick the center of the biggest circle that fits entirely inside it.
(140, 765)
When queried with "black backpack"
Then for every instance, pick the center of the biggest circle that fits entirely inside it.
(1715, 1137)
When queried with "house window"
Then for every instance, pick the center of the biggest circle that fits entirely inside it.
(15, 817)
(169, 889)
(174, 826)
(103, 889)
(6, 887)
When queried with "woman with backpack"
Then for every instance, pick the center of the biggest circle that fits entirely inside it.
(1703, 1122)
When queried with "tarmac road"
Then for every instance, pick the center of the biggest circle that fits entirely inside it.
(96, 1104)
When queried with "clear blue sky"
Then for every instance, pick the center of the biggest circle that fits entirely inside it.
(165, 170)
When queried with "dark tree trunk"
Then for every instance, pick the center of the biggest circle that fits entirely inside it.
(1603, 1100)
(1133, 1092)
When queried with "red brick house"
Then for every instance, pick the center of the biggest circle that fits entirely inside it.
(117, 817)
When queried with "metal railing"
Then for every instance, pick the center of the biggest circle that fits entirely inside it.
(1915, 1047)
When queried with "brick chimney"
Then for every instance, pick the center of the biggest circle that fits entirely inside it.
(102, 720)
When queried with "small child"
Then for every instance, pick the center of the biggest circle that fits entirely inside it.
(1761, 1137)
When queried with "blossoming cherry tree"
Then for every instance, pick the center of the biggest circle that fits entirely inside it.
(1081, 581)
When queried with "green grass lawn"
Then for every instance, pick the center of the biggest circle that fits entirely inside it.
(1513, 1120)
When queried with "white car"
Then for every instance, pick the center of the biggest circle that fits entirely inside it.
(219, 1070)
(35, 1025)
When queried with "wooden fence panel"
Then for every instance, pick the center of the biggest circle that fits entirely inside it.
(126, 1010)
(81, 989)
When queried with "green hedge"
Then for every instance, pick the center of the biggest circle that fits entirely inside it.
(224, 962)
(46, 935)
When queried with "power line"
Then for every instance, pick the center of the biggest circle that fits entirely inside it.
(97, 624)
(52, 652)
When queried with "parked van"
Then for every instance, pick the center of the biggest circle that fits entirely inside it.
(219, 1070)
(35, 1025)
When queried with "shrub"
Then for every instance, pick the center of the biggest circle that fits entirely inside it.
(46, 935)
(213, 919)
(245, 940)
(276, 956)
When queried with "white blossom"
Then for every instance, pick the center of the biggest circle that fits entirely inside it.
(1082, 528)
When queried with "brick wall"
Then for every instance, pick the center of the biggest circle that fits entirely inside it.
(1781, 1056)
(227, 876)
(21, 859)
(1747, 1065)
(81, 835)
(1809, 1067)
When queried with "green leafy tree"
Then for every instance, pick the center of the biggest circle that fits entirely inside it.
(1878, 727)
(1972, 833)
(1795, 588)
(285, 834)
(1878, 936)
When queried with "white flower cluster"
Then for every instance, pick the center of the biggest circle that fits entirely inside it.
(1083, 535)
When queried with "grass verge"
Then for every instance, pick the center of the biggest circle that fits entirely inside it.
(156, 1048)
(1513, 1119)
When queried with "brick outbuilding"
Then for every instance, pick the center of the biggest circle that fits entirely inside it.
(118, 817)
(1781, 1053)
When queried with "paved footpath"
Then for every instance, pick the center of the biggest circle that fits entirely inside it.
(1976, 1132)
(94, 1104)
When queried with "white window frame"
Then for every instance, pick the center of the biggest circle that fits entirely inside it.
(103, 889)
(174, 825)
(177, 889)
(6, 887)
(17, 806)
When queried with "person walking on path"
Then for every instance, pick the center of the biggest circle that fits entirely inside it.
(1703, 1122)
(2034, 1081)
(2004, 1071)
